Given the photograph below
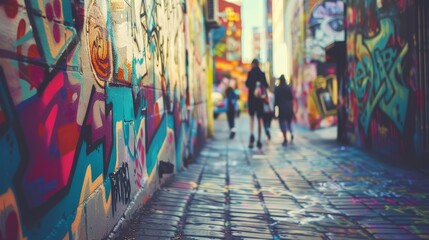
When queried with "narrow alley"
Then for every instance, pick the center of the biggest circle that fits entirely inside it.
(311, 189)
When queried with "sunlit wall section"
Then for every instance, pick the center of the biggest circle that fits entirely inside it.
(280, 59)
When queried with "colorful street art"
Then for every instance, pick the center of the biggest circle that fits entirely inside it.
(227, 42)
(324, 90)
(325, 25)
(297, 39)
(95, 96)
(378, 80)
(316, 96)
(315, 80)
(226, 39)
(382, 70)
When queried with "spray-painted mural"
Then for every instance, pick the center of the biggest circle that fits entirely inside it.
(97, 100)
(314, 80)
(382, 71)
(316, 96)
(325, 25)
(227, 38)
(297, 39)
(229, 70)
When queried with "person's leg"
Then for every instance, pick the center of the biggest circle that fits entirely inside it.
(231, 121)
(259, 115)
(251, 109)
(290, 129)
(252, 137)
(270, 118)
(283, 127)
(252, 116)
(251, 124)
(266, 122)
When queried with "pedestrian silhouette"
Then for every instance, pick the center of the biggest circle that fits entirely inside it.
(283, 100)
(231, 99)
(257, 85)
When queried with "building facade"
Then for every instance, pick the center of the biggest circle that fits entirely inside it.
(379, 91)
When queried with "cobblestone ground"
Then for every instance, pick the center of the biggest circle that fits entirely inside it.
(311, 189)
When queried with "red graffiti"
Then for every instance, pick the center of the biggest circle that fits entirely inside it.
(51, 137)
(154, 120)
(32, 74)
(11, 8)
(402, 4)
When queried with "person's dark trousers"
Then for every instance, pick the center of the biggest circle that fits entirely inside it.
(231, 119)
(266, 119)
(230, 115)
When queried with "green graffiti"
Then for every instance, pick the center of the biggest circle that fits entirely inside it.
(378, 78)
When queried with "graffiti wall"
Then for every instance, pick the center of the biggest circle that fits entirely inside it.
(324, 25)
(316, 96)
(315, 80)
(226, 39)
(297, 38)
(384, 96)
(98, 99)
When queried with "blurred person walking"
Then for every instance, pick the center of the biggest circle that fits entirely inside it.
(257, 85)
(283, 100)
(231, 99)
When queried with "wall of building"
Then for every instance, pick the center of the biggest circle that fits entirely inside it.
(279, 42)
(385, 96)
(96, 99)
(227, 51)
(315, 25)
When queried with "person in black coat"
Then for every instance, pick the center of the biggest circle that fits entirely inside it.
(255, 79)
(283, 99)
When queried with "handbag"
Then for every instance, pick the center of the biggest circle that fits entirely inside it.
(268, 105)
(260, 91)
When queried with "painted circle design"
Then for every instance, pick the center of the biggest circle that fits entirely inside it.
(99, 45)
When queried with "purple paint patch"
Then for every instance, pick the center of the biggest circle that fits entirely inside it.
(37, 74)
(56, 32)
(12, 226)
(57, 8)
(49, 12)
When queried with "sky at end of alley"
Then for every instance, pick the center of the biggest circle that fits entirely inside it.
(252, 15)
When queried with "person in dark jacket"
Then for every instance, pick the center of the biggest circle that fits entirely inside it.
(283, 100)
(231, 99)
(255, 78)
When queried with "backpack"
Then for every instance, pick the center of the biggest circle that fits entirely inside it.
(260, 91)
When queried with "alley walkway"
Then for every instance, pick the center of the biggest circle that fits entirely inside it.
(311, 189)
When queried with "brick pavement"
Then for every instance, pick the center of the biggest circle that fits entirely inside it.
(311, 189)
